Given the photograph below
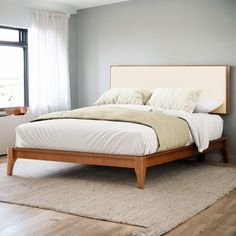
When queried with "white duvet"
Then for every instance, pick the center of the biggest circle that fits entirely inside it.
(113, 137)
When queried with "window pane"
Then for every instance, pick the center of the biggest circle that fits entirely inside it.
(11, 77)
(9, 35)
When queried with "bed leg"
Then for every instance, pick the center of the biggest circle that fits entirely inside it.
(201, 157)
(140, 170)
(224, 151)
(11, 159)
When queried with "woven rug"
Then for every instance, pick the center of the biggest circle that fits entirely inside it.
(173, 192)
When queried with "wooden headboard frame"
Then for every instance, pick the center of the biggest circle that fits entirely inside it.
(214, 80)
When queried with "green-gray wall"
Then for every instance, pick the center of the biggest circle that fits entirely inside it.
(73, 60)
(153, 32)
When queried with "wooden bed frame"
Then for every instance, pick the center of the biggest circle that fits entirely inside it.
(138, 163)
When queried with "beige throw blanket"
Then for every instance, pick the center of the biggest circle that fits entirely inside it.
(172, 132)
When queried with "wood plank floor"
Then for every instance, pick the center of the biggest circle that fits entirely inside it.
(217, 220)
(26, 221)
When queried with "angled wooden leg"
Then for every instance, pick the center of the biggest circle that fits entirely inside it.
(224, 151)
(140, 170)
(201, 157)
(11, 159)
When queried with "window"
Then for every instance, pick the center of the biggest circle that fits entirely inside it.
(13, 67)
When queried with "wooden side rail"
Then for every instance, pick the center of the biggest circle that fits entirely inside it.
(138, 163)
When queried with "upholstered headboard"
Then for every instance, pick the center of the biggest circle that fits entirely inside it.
(213, 80)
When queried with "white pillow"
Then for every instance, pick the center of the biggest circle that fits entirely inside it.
(175, 98)
(206, 105)
(124, 96)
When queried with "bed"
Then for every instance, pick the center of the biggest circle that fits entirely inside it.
(213, 80)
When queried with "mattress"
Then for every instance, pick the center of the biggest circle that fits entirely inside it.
(107, 136)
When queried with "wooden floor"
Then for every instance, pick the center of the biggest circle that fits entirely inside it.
(217, 220)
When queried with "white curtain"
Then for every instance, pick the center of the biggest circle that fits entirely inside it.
(49, 88)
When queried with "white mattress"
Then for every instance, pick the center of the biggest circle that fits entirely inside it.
(103, 136)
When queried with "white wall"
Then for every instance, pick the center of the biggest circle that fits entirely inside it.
(14, 15)
(19, 12)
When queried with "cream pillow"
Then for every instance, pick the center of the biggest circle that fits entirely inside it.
(146, 96)
(175, 98)
(124, 96)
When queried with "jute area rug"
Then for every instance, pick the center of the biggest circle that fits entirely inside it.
(173, 192)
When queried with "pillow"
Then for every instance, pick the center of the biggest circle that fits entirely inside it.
(146, 96)
(175, 98)
(124, 96)
(205, 104)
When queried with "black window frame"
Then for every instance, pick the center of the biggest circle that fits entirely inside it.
(22, 43)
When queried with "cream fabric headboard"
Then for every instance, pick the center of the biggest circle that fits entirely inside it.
(213, 80)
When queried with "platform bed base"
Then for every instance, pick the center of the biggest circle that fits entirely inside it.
(138, 163)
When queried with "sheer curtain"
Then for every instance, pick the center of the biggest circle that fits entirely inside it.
(48, 63)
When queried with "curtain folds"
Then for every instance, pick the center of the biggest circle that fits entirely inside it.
(48, 63)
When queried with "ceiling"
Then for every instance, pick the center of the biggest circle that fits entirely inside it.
(67, 6)
(80, 4)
